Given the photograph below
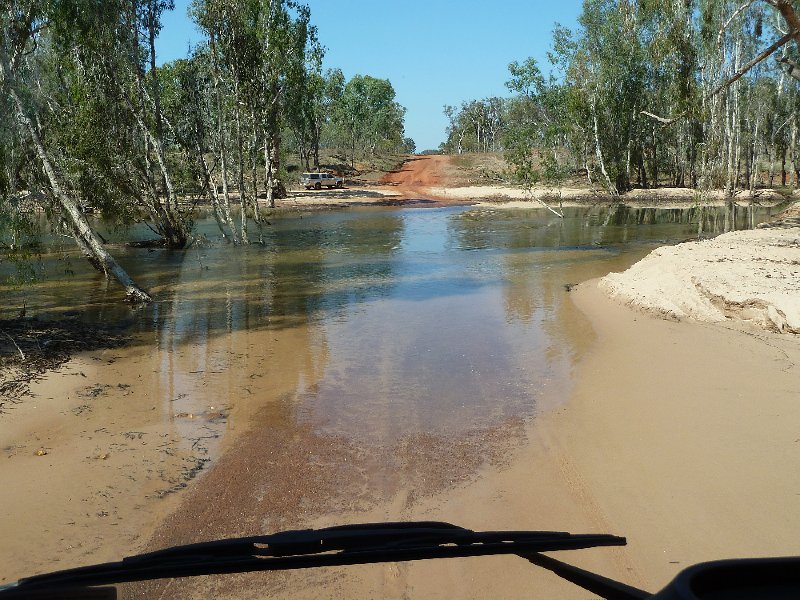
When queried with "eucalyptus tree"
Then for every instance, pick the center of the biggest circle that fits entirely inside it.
(674, 91)
(409, 145)
(368, 117)
(323, 91)
(213, 17)
(524, 135)
(611, 56)
(188, 102)
(139, 90)
(537, 128)
(326, 107)
(258, 52)
(728, 83)
(476, 126)
(289, 43)
(64, 108)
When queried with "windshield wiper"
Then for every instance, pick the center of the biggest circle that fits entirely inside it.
(343, 545)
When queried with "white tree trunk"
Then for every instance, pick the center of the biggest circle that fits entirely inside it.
(81, 230)
(612, 189)
(223, 150)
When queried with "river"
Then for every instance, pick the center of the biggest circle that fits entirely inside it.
(414, 343)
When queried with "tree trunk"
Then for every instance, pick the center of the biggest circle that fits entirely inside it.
(793, 153)
(254, 176)
(223, 151)
(240, 166)
(612, 189)
(753, 167)
(151, 29)
(654, 178)
(170, 226)
(642, 169)
(317, 135)
(783, 166)
(210, 188)
(81, 230)
(275, 188)
(771, 161)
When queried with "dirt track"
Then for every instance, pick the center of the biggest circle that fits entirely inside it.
(417, 174)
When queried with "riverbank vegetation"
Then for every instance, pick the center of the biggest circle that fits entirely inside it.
(697, 93)
(90, 123)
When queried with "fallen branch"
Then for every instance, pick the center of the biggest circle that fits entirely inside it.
(664, 120)
(550, 208)
(21, 353)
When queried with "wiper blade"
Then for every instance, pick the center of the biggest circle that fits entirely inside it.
(333, 546)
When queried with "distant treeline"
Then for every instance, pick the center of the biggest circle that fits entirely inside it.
(697, 93)
(89, 121)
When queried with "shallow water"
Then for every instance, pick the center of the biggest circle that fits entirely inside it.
(358, 360)
(408, 320)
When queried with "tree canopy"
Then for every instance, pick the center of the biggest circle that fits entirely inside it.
(696, 93)
(90, 123)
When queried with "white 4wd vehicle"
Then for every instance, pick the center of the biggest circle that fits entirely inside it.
(317, 180)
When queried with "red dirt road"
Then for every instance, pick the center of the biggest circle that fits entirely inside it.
(417, 174)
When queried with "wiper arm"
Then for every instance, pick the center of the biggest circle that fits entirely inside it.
(333, 546)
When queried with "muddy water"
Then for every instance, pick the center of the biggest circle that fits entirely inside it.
(355, 358)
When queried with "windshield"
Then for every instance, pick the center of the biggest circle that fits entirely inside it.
(546, 280)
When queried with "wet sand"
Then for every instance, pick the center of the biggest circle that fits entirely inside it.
(686, 436)
(680, 436)
(95, 459)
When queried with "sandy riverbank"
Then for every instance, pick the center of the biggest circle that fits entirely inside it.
(514, 197)
(748, 277)
(685, 436)
(500, 196)
(94, 459)
(436, 180)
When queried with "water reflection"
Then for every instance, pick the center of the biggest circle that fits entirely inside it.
(384, 322)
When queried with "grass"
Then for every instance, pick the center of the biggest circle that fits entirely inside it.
(480, 169)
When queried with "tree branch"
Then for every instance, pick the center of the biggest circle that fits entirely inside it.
(761, 56)
(738, 75)
(663, 120)
(789, 15)
(730, 20)
(793, 68)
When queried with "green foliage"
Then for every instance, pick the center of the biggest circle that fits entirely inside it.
(367, 118)
(636, 98)
(475, 126)
(409, 145)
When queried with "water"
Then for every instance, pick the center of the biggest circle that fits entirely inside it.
(361, 361)
(378, 323)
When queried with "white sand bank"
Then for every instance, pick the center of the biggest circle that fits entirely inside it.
(748, 276)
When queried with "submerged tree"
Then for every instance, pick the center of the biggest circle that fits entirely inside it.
(47, 54)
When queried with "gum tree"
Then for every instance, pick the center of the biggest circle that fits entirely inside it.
(37, 36)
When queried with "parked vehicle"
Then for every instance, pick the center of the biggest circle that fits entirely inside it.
(317, 180)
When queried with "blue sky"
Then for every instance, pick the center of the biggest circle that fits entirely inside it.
(435, 52)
